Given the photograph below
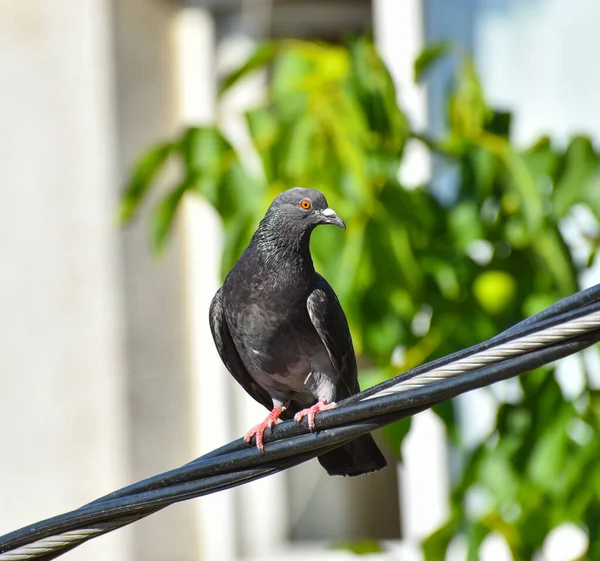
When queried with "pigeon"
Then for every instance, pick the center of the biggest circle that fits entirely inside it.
(281, 332)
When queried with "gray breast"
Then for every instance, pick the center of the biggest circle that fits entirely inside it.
(284, 354)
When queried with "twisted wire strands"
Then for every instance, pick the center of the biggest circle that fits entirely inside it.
(550, 336)
(51, 544)
(55, 545)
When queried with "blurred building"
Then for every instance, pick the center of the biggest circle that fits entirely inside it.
(107, 370)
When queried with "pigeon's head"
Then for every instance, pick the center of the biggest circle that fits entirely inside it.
(304, 209)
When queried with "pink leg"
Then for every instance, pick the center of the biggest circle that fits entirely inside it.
(258, 430)
(321, 405)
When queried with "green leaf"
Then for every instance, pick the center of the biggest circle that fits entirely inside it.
(297, 149)
(499, 123)
(360, 547)
(144, 172)
(263, 55)
(206, 151)
(520, 181)
(527, 186)
(237, 235)
(161, 219)
(554, 254)
(445, 411)
(395, 433)
(407, 262)
(592, 195)
(548, 457)
(483, 171)
(468, 110)
(345, 271)
(476, 533)
(217, 173)
(429, 56)
(463, 220)
(383, 337)
(579, 168)
(375, 90)
(498, 475)
(436, 544)
(240, 194)
(265, 130)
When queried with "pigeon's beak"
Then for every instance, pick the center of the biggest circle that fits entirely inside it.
(330, 217)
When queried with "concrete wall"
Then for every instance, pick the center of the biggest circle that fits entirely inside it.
(62, 385)
(94, 374)
(539, 59)
(159, 403)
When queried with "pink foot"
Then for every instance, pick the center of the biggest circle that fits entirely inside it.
(258, 430)
(321, 405)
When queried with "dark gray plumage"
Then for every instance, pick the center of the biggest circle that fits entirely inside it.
(281, 332)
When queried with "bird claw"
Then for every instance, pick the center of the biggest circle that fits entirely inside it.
(258, 430)
(311, 412)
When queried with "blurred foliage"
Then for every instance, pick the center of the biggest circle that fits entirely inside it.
(360, 547)
(427, 270)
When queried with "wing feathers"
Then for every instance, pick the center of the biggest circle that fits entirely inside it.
(330, 322)
(229, 354)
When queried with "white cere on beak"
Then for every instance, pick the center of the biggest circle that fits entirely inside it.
(329, 212)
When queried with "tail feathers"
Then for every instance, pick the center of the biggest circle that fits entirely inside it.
(357, 457)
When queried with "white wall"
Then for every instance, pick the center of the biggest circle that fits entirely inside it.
(95, 372)
(536, 58)
(61, 355)
(539, 58)
(159, 373)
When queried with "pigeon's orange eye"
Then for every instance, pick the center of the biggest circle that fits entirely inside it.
(305, 204)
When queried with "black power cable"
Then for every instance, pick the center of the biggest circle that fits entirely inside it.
(570, 325)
